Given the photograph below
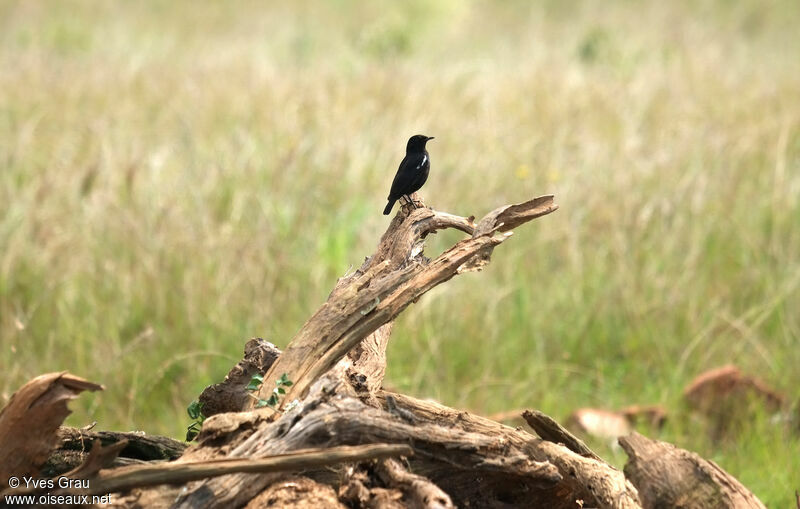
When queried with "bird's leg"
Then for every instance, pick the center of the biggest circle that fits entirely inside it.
(409, 200)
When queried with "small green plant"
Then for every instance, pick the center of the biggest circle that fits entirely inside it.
(257, 380)
(195, 411)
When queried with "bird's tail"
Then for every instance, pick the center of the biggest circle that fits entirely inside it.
(388, 207)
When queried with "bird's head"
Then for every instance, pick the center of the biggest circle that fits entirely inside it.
(417, 143)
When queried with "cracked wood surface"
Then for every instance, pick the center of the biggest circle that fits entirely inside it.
(589, 479)
(327, 420)
(668, 476)
(394, 277)
(337, 361)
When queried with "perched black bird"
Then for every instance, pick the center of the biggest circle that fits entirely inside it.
(413, 171)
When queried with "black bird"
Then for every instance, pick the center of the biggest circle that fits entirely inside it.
(413, 171)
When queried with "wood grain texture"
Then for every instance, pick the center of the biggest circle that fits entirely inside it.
(389, 281)
(667, 476)
(590, 480)
(28, 423)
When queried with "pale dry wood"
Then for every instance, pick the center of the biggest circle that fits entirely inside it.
(508, 217)
(388, 486)
(139, 476)
(341, 324)
(548, 429)
(29, 421)
(341, 352)
(594, 482)
(399, 247)
(366, 363)
(507, 469)
(667, 476)
(230, 395)
(353, 489)
(297, 493)
(171, 473)
(394, 277)
(420, 492)
(330, 420)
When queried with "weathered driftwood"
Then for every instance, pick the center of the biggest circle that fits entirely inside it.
(297, 493)
(337, 362)
(388, 483)
(418, 492)
(329, 420)
(74, 445)
(359, 488)
(140, 445)
(387, 282)
(548, 429)
(29, 421)
(667, 476)
(432, 428)
(181, 472)
(593, 481)
(105, 480)
(347, 337)
(230, 394)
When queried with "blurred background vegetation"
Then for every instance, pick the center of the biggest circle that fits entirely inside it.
(176, 177)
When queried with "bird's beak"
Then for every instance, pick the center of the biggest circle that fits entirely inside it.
(430, 138)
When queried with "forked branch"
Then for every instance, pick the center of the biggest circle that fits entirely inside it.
(388, 281)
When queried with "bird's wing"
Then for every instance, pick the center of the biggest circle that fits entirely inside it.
(422, 161)
(397, 178)
(418, 179)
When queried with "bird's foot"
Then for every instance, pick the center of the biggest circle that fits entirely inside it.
(408, 201)
(417, 204)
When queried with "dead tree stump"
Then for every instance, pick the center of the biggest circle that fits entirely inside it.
(337, 439)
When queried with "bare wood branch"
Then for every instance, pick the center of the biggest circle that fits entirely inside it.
(667, 476)
(387, 283)
(548, 429)
(123, 479)
(508, 217)
(139, 445)
(139, 476)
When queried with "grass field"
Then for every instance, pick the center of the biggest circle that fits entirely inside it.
(177, 177)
